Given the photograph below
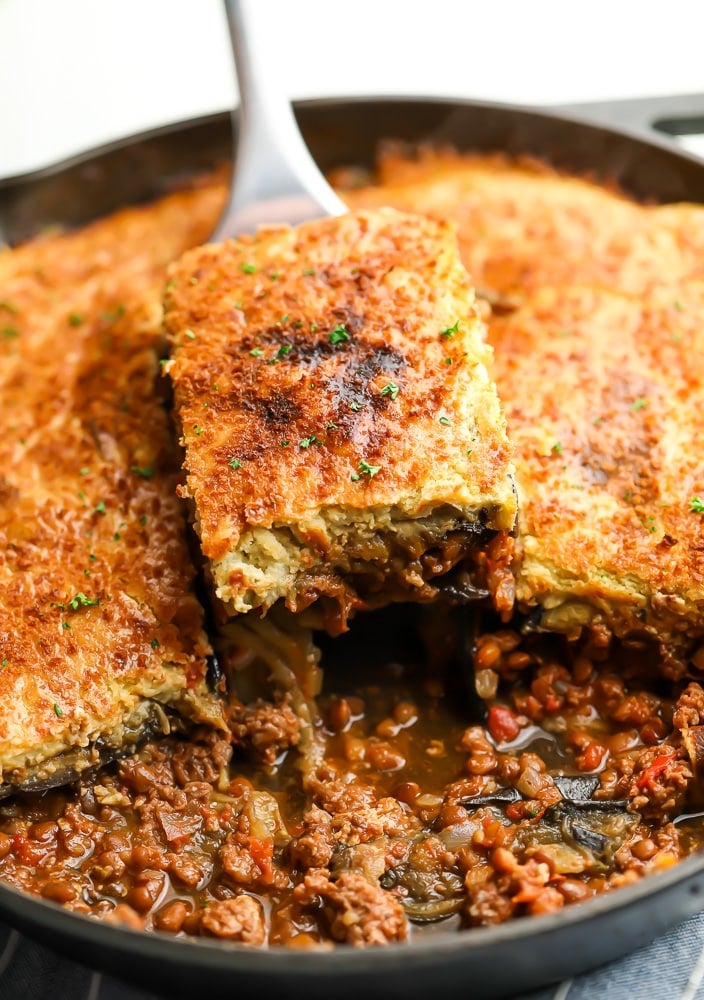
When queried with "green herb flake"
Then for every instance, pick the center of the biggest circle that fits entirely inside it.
(338, 335)
(248, 268)
(193, 280)
(356, 407)
(275, 275)
(557, 448)
(284, 318)
(170, 285)
(155, 643)
(628, 496)
(597, 420)
(143, 519)
(678, 305)
(256, 352)
(81, 601)
(190, 334)
(4, 661)
(10, 332)
(306, 442)
(313, 327)
(145, 471)
(58, 710)
(100, 507)
(449, 331)
(391, 390)
(696, 505)
(112, 317)
(284, 350)
(198, 429)
(75, 319)
(66, 626)
(365, 469)
(331, 426)
(85, 471)
(284, 444)
(308, 272)
(235, 464)
(444, 420)
(639, 404)
(448, 361)
(116, 537)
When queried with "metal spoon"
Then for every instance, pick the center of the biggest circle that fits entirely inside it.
(275, 179)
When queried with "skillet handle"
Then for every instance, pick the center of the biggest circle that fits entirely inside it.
(675, 115)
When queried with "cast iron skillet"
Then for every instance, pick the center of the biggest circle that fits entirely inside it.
(513, 957)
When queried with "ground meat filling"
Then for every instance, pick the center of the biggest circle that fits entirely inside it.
(574, 775)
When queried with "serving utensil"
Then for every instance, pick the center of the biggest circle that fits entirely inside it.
(274, 178)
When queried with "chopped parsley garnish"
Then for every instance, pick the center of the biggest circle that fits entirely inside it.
(284, 350)
(449, 331)
(390, 389)
(444, 420)
(75, 319)
(338, 335)
(275, 275)
(331, 426)
(10, 332)
(170, 285)
(356, 406)
(306, 442)
(81, 601)
(85, 471)
(696, 505)
(639, 404)
(448, 361)
(155, 643)
(58, 710)
(66, 625)
(284, 444)
(143, 519)
(313, 327)
(248, 268)
(100, 507)
(112, 317)
(145, 471)
(308, 271)
(190, 334)
(284, 318)
(116, 537)
(198, 429)
(628, 496)
(365, 469)
(235, 463)
(557, 448)
(678, 305)
(4, 661)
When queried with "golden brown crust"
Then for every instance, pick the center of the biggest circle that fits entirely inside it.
(303, 359)
(522, 225)
(608, 460)
(97, 610)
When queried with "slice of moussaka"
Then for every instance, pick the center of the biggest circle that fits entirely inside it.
(603, 393)
(101, 637)
(345, 446)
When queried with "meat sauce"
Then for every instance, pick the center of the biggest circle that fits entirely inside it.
(427, 808)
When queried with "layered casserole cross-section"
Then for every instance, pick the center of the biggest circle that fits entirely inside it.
(345, 445)
(101, 637)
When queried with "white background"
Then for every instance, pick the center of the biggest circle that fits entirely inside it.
(75, 73)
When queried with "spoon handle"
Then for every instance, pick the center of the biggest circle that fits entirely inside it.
(275, 179)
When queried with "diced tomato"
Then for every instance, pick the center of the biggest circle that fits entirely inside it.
(502, 724)
(262, 852)
(553, 703)
(591, 757)
(646, 779)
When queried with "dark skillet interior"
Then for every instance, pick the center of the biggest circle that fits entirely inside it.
(513, 957)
